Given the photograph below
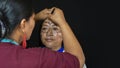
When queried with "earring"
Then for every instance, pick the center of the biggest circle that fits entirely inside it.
(24, 44)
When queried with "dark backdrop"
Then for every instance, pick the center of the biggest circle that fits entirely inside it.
(81, 16)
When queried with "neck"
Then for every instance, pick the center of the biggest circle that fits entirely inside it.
(56, 48)
(15, 38)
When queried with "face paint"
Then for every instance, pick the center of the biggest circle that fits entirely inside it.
(51, 35)
(50, 28)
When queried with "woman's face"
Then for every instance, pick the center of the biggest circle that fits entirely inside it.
(51, 34)
(29, 26)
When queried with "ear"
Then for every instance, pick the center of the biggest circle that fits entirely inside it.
(22, 24)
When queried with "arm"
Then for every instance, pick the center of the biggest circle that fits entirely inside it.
(71, 43)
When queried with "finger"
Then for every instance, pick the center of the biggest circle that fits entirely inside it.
(46, 10)
(50, 17)
(52, 10)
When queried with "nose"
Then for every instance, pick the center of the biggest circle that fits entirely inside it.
(50, 32)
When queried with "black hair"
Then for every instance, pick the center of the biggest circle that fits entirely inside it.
(11, 14)
(35, 37)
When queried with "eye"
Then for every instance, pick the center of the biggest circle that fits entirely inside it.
(44, 28)
(55, 28)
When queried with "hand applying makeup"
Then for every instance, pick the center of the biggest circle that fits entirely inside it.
(43, 14)
(57, 16)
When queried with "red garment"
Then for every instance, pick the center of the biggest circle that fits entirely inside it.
(12, 56)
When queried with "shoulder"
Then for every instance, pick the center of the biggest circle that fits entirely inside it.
(57, 59)
(53, 59)
(42, 57)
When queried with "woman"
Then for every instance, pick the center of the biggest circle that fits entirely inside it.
(17, 23)
(51, 36)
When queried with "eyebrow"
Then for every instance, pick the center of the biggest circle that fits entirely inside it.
(48, 24)
(45, 25)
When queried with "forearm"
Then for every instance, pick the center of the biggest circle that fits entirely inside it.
(37, 17)
(71, 43)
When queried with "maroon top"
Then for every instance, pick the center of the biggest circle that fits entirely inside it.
(12, 56)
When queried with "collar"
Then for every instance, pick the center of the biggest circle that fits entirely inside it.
(61, 49)
(9, 40)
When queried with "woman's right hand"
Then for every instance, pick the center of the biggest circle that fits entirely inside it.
(57, 17)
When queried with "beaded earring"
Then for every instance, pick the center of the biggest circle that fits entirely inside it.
(24, 44)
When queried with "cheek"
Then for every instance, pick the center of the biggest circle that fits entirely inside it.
(32, 24)
(30, 29)
(59, 37)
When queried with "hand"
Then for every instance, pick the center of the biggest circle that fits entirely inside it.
(42, 15)
(58, 16)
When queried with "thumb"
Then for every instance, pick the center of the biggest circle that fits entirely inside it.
(52, 10)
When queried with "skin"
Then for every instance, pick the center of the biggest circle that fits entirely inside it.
(42, 15)
(51, 35)
(25, 27)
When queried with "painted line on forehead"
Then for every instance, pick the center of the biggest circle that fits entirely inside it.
(49, 24)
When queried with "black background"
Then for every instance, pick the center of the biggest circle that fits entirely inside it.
(81, 16)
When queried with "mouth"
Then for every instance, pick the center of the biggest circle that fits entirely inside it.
(49, 39)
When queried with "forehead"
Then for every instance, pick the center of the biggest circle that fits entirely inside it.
(48, 22)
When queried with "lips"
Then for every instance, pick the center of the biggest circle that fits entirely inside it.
(49, 39)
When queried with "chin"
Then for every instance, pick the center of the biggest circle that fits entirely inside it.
(49, 44)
